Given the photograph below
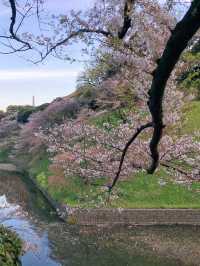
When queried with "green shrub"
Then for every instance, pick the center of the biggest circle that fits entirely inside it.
(24, 113)
(87, 97)
(189, 79)
(42, 180)
(10, 248)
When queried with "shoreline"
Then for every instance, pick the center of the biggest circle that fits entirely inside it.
(117, 216)
(120, 216)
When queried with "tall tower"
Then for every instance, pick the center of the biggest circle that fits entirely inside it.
(33, 101)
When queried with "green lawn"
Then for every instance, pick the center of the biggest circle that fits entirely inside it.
(157, 191)
(140, 191)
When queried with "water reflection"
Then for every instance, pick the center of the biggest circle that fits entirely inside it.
(52, 243)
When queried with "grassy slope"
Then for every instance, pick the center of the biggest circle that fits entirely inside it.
(140, 191)
(145, 191)
(191, 121)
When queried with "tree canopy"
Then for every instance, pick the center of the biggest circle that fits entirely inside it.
(126, 30)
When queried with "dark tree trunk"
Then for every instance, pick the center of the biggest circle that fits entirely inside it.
(178, 41)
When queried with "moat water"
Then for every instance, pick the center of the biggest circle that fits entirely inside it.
(50, 242)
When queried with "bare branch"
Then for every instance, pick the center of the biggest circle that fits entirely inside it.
(12, 25)
(22, 20)
(136, 134)
(121, 34)
(71, 36)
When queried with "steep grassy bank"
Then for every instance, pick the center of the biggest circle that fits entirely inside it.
(139, 191)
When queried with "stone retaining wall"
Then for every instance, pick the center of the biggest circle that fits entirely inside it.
(133, 216)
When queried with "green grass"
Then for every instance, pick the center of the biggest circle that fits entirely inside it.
(113, 118)
(40, 164)
(39, 168)
(140, 191)
(145, 191)
(77, 193)
(191, 117)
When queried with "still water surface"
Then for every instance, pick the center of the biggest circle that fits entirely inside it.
(49, 242)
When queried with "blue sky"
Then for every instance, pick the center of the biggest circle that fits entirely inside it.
(20, 80)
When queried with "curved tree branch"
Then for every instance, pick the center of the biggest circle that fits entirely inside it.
(136, 134)
(176, 44)
(12, 25)
(71, 36)
(128, 6)
(26, 45)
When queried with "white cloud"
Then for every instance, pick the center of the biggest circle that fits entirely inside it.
(36, 74)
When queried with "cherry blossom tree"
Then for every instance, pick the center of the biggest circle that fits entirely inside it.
(92, 152)
(118, 25)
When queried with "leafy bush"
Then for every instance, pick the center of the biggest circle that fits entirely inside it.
(10, 248)
(42, 180)
(87, 97)
(192, 82)
(189, 78)
(24, 113)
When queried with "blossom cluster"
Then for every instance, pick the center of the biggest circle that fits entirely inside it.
(91, 152)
